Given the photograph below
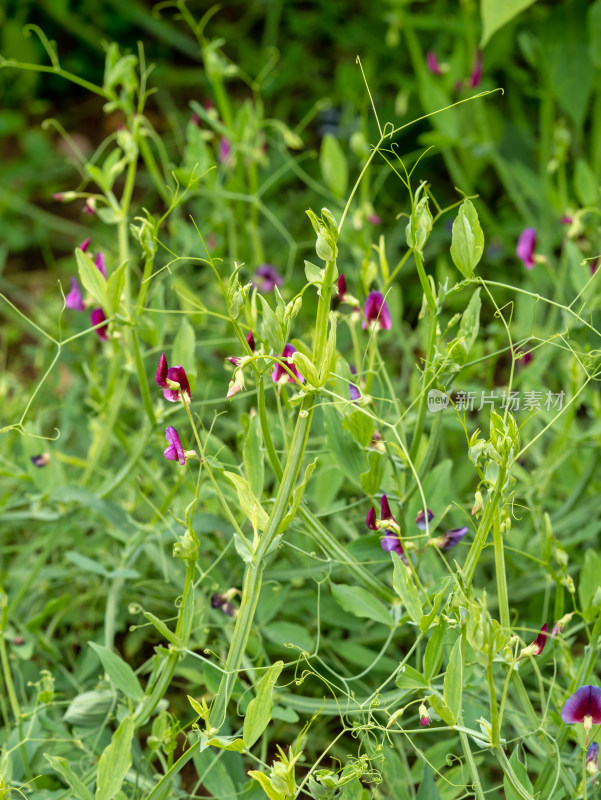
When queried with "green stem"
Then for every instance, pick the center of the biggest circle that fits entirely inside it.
(501, 575)
(323, 311)
(421, 410)
(487, 520)
(476, 784)
(253, 575)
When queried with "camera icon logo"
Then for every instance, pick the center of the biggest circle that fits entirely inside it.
(437, 401)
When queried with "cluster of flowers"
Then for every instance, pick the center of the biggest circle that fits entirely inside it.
(391, 540)
(74, 300)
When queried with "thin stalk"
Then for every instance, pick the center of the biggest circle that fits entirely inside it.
(480, 539)
(476, 784)
(501, 575)
(421, 411)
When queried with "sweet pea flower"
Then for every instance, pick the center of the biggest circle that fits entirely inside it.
(175, 451)
(376, 312)
(173, 381)
(341, 286)
(266, 278)
(84, 245)
(424, 716)
(281, 375)
(561, 623)
(391, 541)
(250, 339)
(525, 247)
(353, 390)
(40, 460)
(374, 219)
(100, 264)
(476, 75)
(225, 149)
(420, 520)
(583, 707)
(96, 317)
(432, 63)
(538, 645)
(74, 299)
(592, 760)
(449, 539)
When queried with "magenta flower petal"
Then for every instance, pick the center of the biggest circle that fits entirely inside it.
(391, 543)
(354, 392)
(374, 219)
(175, 451)
(385, 510)
(74, 299)
(376, 312)
(541, 640)
(586, 702)
(225, 149)
(370, 519)
(84, 245)
(251, 341)
(341, 286)
(451, 538)
(476, 75)
(420, 520)
(161, 374)
(100, 264)
(279, 372)
(97, 316)
(432, 63)
(266, 278)
(525, 247)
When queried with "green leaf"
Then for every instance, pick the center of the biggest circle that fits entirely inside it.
(434, 649)
(227, 743)
(252, 454)
(360, 426)
(371, 479)
(470, 321)
(332, 162)
(590, 581)
(410, 678)
(361, 603)
(594, 31)
(115, 761)
(166, 632)
(61, 765)
(404, 586)
(585, 183)
(441, 708)
(89, 709)
(248, 502)
(467, 244)
(343, 448)
(274, 332)
(114, 288)
(92, 279)
(184, 348)
(259, 709)
(120, 673)
(243, 548)
(521, 774)
(86, 564)
(427, 788)
(453, 680)
(284, 633)
(264, 781)
(297, 496)
(313, 273)
(496, 13)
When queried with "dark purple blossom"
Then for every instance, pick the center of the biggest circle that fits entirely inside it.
(173, 381)
(84, 245)
(476, 75)
(279, 373)
(592, 760)
(99, 262)
(525, 247)
(225, 149)
(432, 63)
(353, 390)
(341, 286)
(391, 543)
(97, 316)
(370, 519)
(420, 520)
(74, 299)
(251, 341)
(175, 451)
(376, 312)
(584, 707)
(266, 278)
(523, 358)
(385, 510)
(566, 219)
(451, 538)
(40, 460)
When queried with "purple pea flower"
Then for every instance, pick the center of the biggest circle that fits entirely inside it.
(353, 390)
(173, 381)
(225, 149)
(100, 264)
(279, 373)
(525, 247)
(370, 519)
(424, 715)
(175, 451)
(84, 245)
(267, 278)
(97, 316)
(476, 75)
(451, 538)
(74, 299)
(40, 460)
(432, 63)
(251, 341)
(376, 312)
(584, 707)
(341, 286)
(538, 645)
(592, 760)
(420, 520)
(391, 543)
(374, 219)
